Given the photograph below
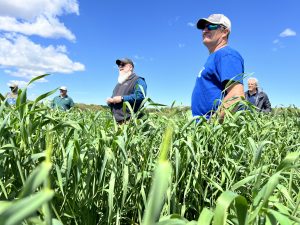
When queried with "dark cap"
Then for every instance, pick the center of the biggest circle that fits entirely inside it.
(124, 61)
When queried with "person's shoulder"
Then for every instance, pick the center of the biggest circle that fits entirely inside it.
(139, 78)
(263, 93)
(227, 50)
(141, 81)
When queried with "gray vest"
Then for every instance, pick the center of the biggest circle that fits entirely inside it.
(125, 88)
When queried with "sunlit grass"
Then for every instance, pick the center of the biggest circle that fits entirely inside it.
(79, 167)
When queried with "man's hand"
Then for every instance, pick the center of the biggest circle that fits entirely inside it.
(109, 101)
(114, 100)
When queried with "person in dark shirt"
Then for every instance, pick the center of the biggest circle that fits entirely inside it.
(257, 97)
(130, 88)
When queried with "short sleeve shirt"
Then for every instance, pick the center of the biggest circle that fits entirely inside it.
(223, 65)
(63, 103)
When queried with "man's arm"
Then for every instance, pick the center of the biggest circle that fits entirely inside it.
(267, 104)
(53, 103)
(137, 95)
(234, 93)
(71, 103)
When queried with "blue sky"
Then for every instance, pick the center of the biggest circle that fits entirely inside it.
(77, 42)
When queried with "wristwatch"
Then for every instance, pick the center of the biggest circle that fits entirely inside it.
(122, 98)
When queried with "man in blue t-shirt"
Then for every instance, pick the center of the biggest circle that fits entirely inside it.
(220, 81)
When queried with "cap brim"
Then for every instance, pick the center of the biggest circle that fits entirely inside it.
(118, 62)
(202, 22)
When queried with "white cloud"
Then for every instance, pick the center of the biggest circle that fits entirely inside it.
(23, 58)
(287, 33)
(30, 9)
(42, 26)
(37, 17)
(190, 24)
(138, 57)
(278, 44)
(142, 58)
(180, 45)
(172, 21)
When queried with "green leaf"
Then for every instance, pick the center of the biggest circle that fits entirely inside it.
(288, 161)
(23, 208)
(157, 193)
(223, 204)
(282, 219)
(36, 178)
(205, 217)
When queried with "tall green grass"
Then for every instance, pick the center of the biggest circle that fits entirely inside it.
(80, 167)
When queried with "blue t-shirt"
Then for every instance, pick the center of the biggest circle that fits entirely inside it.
(12, 101)
(223, 65)
(252, 98)
(11, 98)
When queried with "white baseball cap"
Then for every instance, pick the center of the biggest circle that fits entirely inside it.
(64, 88)
(214, 19)
(13, 85)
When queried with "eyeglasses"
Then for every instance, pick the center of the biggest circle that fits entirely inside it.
(213, 26)
(121, 65)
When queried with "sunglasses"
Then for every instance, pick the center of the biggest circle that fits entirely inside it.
(122, 65)
(212, 26)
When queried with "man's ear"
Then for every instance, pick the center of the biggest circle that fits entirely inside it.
(226, 32)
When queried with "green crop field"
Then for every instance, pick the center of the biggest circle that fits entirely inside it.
(79, 167)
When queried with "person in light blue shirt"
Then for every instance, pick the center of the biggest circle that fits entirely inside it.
(13, 94)
(220, 81)
(63, 101)
(130, 88)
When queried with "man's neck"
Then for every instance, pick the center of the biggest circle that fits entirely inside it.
(217, 47)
